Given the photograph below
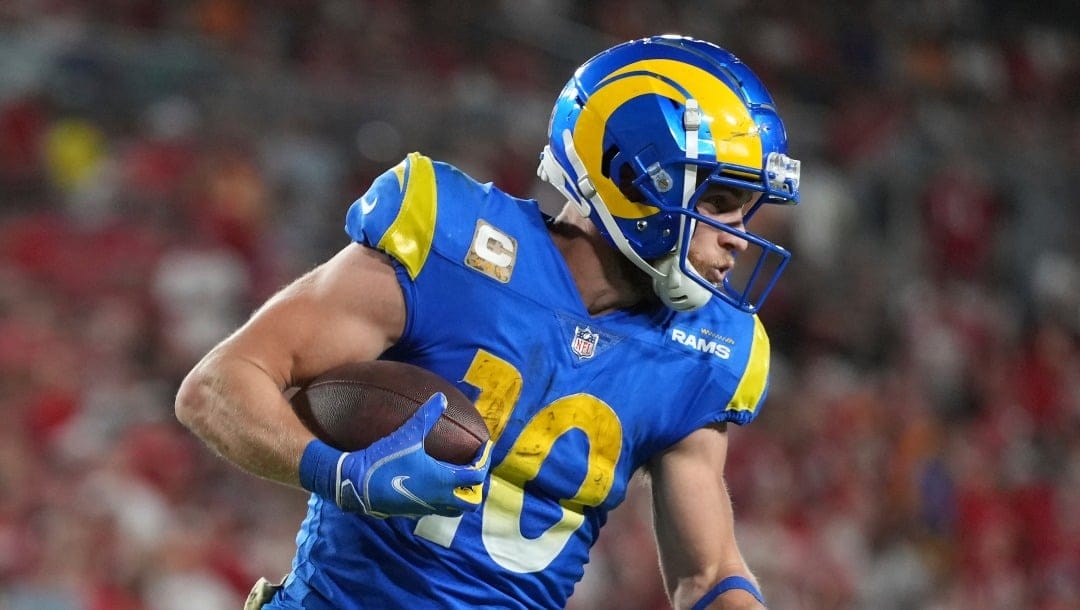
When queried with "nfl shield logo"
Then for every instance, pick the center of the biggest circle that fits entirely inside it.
(584, 343)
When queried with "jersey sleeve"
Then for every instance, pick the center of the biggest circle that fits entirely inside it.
(753, 385)
(397, 214)
(736, 390)
(422, 214)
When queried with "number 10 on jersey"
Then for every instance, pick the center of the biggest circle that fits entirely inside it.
(500, 387)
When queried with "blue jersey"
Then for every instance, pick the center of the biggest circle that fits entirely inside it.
(575, 403)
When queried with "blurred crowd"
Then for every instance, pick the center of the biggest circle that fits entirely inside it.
(165, 166)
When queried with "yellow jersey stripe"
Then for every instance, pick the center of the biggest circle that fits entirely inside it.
(756, 374)
(409, 237)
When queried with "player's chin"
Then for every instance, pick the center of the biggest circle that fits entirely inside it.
(716, 275)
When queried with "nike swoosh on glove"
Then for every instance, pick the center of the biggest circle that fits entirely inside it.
(395, 476)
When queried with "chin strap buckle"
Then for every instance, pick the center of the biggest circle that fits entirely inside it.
(691, 115)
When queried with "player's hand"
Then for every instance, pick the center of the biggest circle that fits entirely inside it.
(395, 476)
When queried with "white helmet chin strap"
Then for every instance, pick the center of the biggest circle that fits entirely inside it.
(677, 290)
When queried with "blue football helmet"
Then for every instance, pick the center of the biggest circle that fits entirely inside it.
(670, 116)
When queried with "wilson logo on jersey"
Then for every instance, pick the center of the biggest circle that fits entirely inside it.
(492, 252)
(709, 342)
(584, 342)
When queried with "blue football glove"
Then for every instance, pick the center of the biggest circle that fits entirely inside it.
(395, 476)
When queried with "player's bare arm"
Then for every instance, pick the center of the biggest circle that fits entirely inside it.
(695, 524)
(233, 398)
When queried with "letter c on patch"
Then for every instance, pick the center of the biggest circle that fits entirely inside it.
(500, 257)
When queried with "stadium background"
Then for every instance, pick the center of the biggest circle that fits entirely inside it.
(164, 166)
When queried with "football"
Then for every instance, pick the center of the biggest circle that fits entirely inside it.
(352, 406)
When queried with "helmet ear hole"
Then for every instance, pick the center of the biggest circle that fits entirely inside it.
(605, 161)
(626, 184)
(625, 178)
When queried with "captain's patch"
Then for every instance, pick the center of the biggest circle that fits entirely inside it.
(492, 252)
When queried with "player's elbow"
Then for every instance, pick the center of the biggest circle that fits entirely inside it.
(194, 400)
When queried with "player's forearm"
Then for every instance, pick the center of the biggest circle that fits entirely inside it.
(237, 410)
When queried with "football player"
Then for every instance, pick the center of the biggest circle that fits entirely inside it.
(615, 337)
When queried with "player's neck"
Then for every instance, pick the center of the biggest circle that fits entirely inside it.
(604, 278)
